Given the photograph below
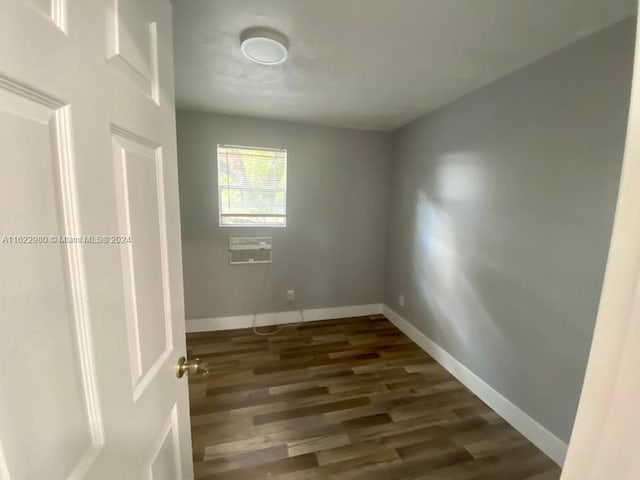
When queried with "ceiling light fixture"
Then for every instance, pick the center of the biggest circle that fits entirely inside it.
(264, 46)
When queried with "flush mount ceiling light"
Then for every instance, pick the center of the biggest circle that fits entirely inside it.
(264, 46)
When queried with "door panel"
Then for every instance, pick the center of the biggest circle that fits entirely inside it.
(92, 322)
(132, 44)
(43, 295)
(140, 199)
(164, 464)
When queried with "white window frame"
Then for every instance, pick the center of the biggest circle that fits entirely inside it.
(284, 190)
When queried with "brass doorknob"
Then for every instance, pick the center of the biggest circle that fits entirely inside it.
(192, 367)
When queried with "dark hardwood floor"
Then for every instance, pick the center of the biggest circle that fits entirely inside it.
(344, 399)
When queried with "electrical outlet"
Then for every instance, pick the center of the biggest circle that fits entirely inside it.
(401, 300)
(291, 295)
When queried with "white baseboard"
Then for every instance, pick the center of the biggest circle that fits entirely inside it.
(546, 441)
(281, 318)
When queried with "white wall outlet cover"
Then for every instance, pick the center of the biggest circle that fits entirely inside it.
(291, 295)
(401, 300)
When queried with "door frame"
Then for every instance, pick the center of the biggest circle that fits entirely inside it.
(604, 443)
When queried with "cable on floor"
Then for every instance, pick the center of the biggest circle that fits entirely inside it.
(255, 312)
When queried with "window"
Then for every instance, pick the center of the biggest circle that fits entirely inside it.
(252, 186)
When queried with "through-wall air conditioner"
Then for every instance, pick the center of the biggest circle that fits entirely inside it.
(244, 250)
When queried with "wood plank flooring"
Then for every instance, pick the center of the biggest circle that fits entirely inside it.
(344, 399)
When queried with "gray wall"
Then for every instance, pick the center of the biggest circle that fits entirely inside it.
(332, 251)
(502, 208)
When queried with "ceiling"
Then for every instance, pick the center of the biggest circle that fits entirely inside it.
(369, 64)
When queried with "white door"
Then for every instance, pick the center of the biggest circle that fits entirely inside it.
(605, 443)
(91, 306)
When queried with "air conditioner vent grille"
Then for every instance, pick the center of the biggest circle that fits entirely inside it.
(245, 250)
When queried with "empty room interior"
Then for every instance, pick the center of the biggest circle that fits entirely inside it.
(439, 180)
(308, 240)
